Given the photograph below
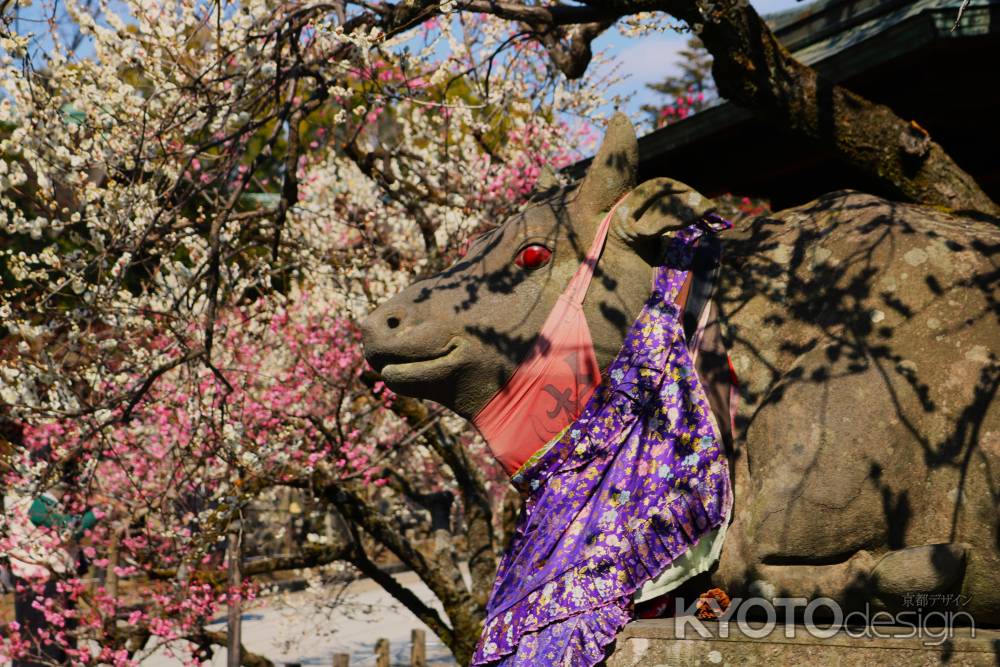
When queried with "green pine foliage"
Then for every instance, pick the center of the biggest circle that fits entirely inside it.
(688, 92)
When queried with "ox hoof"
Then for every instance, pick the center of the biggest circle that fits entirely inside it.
(931, 568)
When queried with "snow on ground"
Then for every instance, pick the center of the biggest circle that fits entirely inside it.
(309, 627)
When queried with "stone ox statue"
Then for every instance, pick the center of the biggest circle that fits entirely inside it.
(864, 334)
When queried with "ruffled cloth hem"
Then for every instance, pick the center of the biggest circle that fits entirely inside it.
(582, 636)
(650, 547)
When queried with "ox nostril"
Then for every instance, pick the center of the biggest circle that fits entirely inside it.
(392, 321)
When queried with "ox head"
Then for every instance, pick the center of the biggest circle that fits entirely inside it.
(457, 337)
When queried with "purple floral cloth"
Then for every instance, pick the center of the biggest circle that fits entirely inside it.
(631, 485)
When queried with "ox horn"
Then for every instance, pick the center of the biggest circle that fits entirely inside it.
(613, 171)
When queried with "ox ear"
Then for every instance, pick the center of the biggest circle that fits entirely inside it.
(657, 208)
(613, 171)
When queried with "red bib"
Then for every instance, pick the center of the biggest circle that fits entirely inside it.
(550, 388)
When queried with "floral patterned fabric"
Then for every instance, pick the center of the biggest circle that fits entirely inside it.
(631, 485)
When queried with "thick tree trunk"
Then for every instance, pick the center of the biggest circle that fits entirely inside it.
(752, 69)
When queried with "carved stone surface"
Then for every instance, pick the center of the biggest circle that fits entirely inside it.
(655, 644)
(865, 335)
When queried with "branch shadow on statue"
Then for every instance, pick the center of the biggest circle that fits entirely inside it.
(866, 457)
(864, 329)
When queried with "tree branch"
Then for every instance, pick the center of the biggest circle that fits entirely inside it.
(310, 556)
(752, 69)
(247, 659)
(569, 48)
(441, 574)
(475, 499)
(429, 501)
(389, 584)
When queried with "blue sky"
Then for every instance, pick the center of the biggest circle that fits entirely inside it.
(651, 58)
(641, 60)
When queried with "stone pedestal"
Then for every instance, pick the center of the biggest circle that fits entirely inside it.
(660, 643)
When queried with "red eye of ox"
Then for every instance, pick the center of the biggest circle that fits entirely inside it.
(533, 257)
